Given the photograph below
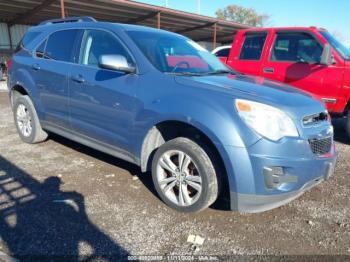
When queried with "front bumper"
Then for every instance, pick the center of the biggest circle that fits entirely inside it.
(254, 187)
(246, 203)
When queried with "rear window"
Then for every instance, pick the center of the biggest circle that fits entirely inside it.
(253, 46)
(26, 40)
(60, 45)
(223, 52)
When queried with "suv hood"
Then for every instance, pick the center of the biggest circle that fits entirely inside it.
(287, 98)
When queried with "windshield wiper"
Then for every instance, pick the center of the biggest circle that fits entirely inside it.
(185, 73)
(222, 71)
(216, 72)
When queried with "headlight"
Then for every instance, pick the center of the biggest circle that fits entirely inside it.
(266, 120)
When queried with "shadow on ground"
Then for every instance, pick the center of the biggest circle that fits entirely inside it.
(221, 204)
(39, 220)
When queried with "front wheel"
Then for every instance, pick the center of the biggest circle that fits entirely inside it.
(347, 124)
(184, 175)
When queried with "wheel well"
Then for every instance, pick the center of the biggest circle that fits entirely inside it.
(347, 108)
(168, 130)
(16, 91)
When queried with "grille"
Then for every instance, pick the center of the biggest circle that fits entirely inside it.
(315, 118)
(321, 146)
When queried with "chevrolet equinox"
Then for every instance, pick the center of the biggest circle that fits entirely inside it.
(161, 101)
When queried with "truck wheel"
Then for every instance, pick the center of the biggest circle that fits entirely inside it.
(347, 124)
(27, 121)
(184, 175)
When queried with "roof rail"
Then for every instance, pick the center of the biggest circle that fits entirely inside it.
(69, 20)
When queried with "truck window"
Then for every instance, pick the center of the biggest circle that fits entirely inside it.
(296, 47)
(223, 52)
(253, 46)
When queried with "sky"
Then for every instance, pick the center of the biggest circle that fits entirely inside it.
(334, 15)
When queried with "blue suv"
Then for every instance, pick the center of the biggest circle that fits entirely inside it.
(161, 101)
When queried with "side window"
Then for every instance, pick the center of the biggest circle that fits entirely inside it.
(253, 46)
(223, 53)
(296, 47)
(96, 43)
(60, 45)
(40, 51)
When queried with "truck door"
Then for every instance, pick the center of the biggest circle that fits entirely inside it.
(295, 59)
(248, 59)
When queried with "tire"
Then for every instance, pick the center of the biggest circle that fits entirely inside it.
(347, 124)
(24, 112)
(196, 180)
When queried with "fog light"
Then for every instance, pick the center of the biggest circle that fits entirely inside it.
(275, 176)
(277, 170)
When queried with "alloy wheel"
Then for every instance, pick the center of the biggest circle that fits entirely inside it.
(179, 178)
(24, 120)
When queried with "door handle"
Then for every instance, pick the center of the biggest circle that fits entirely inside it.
(36, 67)
(79, 79)
(268, 70)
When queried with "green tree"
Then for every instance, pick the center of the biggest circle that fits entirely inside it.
(242, 15)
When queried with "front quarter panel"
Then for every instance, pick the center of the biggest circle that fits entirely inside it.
(213, 114)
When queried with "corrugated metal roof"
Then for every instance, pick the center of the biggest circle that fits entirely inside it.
(197, 27)
(17, 32)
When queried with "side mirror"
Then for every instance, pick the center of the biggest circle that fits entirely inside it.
(326, 57)
(116, 63)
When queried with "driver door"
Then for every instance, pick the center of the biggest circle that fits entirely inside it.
(102, 101)
(294, 60)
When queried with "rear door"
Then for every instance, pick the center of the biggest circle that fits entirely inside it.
(50, 70)
(295, 59)
(102, 101)
(249, 60)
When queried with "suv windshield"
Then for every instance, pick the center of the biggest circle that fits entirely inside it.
(337, 45)
(176, 54)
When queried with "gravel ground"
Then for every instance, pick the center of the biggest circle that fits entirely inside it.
(61, 198)
(3, 86)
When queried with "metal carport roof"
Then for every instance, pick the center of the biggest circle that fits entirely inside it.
(197, 27)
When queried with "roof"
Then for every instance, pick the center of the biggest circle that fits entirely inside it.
(294, 28)
(197, 27)
(50, 27)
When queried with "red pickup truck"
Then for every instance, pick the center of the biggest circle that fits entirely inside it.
(308, 58)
